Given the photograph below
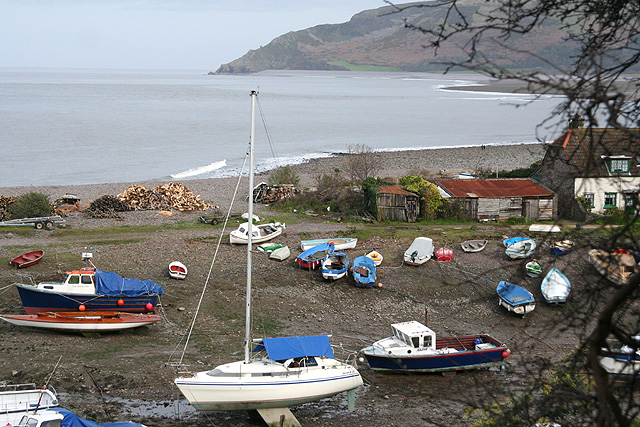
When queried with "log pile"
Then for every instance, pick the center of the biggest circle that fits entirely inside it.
(106, 207)
(4, 207)
(264, 193)
(169, 196)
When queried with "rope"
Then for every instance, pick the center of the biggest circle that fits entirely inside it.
(206, 283)
(266, 129)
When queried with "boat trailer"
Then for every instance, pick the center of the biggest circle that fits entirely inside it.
(38, 223)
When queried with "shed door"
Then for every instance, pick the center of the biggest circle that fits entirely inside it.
(530, 208)
(412, 210)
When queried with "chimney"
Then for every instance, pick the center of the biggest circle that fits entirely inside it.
(576, 122)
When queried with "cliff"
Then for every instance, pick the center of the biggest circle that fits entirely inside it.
(378, 39)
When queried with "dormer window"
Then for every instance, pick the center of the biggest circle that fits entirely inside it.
(619, 166)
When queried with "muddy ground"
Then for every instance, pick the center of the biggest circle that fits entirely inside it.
(125, 375)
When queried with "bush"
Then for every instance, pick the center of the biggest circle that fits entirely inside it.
(430, 198)
(31, 205)
(284, 175)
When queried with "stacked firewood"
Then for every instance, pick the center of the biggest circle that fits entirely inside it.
(272, 193)
(106, 207)
(173, 195)
(4, 207)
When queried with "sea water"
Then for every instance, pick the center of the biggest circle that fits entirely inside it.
(63, 126)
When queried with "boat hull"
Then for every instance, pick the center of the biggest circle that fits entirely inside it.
(177, 270)
(515, 298)
(27, 259)
(339, 244)
(260, 392)
(83, 321)
(40, 300)
(620, 363)
(437, 363)
(555, 287)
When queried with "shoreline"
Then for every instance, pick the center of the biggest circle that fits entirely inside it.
(393, 164)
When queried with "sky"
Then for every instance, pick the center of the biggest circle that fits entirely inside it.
(154, 34)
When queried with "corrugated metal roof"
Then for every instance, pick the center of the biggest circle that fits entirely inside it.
(395, 189)
(493, 188)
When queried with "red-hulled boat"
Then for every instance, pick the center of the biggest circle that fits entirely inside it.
(27, 259)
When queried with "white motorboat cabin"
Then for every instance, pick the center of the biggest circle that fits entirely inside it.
(414, 334)
(77, 281)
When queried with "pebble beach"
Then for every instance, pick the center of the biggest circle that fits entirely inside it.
(436, 162)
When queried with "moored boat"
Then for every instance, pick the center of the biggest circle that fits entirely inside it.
(555, 287)
(515, 298)
(444, 254)
(340, 243)
(313, 257)
(276, 372)
(473, 245)
(617, 266)
(178, 270)
(83, 321)
(280, 254)
(27, 259)
(260, 232)
(512, 240)
(364, 271)
(92, 288)
(420, 251)
(414, 347)
(533, 268)
(376, 257)
(335, 265)
(16, 400)
(521, 249)
(562, 247)
(620, 360)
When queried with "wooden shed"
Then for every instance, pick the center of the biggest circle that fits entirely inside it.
(396, 204)
(500, 199)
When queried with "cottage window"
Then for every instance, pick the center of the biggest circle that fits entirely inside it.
(619, 165)
(610, 200)
(590, 198)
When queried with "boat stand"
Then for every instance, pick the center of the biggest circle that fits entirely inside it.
(279, 417)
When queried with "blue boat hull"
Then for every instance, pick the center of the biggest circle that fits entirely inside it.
(37, 301)
(438, 363)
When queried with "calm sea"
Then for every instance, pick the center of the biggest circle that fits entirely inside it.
(62, 127)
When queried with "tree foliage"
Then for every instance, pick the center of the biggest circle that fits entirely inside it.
(30, 205)
(430, 198)
(284, 175)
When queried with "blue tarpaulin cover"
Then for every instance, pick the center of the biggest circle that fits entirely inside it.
(113, 285)
(288, 347)
(72, 420)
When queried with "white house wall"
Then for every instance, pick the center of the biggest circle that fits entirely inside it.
(599, 186)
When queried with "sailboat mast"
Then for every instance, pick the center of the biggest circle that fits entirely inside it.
(247, 327)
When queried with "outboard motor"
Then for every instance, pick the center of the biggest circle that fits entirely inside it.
(413, 256)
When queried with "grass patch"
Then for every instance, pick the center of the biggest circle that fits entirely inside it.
(355, 67)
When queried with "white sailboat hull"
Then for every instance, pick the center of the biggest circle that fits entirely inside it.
(261, 387)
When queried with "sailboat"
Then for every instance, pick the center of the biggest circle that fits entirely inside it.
(276, 372)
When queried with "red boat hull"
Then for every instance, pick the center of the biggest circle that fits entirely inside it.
(27, 259)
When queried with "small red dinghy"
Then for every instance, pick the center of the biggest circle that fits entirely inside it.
(27, 259)
(444, 254)
(83, 321)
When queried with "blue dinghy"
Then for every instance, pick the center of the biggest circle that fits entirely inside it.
(515, 298)
(364, 271)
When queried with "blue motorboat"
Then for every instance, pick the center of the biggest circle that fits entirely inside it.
(413, 347)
